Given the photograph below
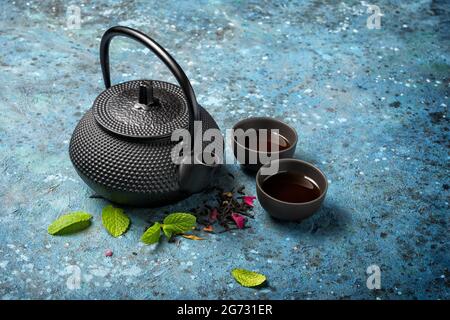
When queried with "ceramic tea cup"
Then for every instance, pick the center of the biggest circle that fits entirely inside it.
(253, 157)
(294, 193)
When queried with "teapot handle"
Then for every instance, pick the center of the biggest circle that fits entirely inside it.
(162, 54)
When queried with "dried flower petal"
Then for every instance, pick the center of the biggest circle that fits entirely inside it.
(208, 228)
(192, 237)
(238, 219)
(108, 253)
(248, 200)
(213, 215)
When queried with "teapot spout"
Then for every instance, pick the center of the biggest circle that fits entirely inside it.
(194, 174)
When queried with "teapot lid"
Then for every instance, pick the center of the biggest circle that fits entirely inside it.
(142, 109)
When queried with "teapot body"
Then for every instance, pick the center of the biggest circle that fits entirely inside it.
(122, 147)
(128, 171)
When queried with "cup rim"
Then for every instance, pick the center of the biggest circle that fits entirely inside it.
(319, 198)
(292, 145)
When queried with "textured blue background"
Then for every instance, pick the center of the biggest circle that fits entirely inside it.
(370, 107)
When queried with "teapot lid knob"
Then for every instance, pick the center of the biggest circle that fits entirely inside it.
(146, 96)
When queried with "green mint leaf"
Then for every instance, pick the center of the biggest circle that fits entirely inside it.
(178, 222)
(114, 220)
(248, 278)
(168, 230)
(152, 234)
(70, 223)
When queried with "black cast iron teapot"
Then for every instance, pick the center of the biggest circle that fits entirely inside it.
(122, 146)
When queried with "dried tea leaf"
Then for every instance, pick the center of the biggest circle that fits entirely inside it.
(115, 221)
(192, 237)
(70, 223)
(152, 234)
(248, 278)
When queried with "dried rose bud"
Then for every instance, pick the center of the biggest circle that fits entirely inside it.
(239, 220)
(213, 215)
(249, 200)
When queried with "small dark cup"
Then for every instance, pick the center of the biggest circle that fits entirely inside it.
(292, 211)
(257, 123)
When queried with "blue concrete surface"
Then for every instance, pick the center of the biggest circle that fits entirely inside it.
(370, 107)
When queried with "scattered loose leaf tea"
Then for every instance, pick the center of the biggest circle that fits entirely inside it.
(230, 209)
(70, 223)
(248, 278)
(115, 221)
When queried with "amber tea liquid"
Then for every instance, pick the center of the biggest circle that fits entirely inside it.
(291, 187)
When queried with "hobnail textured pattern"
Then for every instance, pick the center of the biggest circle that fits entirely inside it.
(117, 110)
(115, 166)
